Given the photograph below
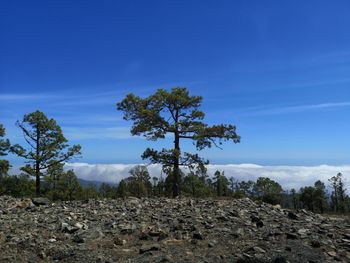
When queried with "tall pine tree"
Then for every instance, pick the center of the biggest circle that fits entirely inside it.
(46, 145)
(176, 113)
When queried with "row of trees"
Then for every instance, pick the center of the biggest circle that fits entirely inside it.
(58, 184)
(317, 199)
(198, 184)
(176, 113)
(67, 187)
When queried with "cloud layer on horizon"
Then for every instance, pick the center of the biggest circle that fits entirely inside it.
(288, 176)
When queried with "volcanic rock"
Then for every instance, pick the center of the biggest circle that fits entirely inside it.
(167, 230)
(40, 201)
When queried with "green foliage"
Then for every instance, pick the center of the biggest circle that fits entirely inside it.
(314, 198)
(221, 184)
(4, 167)
(169, 182)
(137, 188)
(307, 197)
(17, 186)
(138, 183)
(339, 200)
(294, 198)
(4, 148)
(247, 188)
(160, 187)
(268, 190)
(4, 143)
(46, 145)
(122, 189)
(194, 185)
(89, 192)
(52, 178)
(61, 185)
(108, 191)
(320, 196)
(238, 194)
(154, 185)
(71, 184)
(233, 184)
(176, 113)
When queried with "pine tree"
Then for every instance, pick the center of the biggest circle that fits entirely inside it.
(46, 145)
(176, 113)
(4, 148)
(338, 196)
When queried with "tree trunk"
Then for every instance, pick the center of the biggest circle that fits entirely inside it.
(193, 188)
(37, 163)
(336, 199)
(218, 186)
(176, 175)
(294, 202)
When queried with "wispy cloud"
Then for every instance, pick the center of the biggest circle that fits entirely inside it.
(296, 109)
(88, 119)
(318, 83)
(81, 96)
(85, 133)
(21, 97)
(288, 176)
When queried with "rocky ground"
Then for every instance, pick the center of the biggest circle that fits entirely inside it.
(167, 230)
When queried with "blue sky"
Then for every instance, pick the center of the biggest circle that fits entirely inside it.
(279, 70)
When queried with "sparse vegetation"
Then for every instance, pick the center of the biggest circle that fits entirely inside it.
(174, 112)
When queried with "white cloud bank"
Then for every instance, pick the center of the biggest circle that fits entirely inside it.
(288, 176)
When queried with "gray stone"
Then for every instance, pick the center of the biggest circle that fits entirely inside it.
(65, 227)
(151, 229)
(292, 215)
(40, 201)
(149, 247)
(127, 228)
(198, 235)
(291, 236)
